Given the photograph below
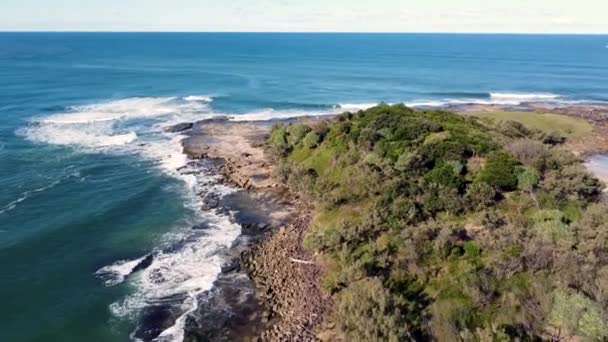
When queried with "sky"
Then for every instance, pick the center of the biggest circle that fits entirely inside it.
(490, 16)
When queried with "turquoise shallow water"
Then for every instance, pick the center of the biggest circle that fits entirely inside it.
(88, 178)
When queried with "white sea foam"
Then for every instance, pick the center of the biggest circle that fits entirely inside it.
(85, 136)
(184, 272)
(513, 99)
(190, 260)
(352, 107)
(506, 99)
(116, 273)
(24, 196)
(131, 108)
(198, 98)
(519, 98)
(269, 114)
(525, 96)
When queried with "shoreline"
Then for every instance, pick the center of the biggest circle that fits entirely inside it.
(287, 302)
(281, 299)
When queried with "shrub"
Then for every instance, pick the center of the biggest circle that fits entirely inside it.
(311, 140)
(278, 140)
(592, 230)
(572, 182)
(366, 311)
(528, 179)
(578, 316)
(296, 133)
(480, 196)
(404, 160)
(549, 224)
(500, 171)
(444, 176)
(529, 152)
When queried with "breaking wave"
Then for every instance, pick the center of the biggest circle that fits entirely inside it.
(506, 99)
(188, 261)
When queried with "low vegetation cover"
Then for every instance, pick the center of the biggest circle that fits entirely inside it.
(434, 226)
(567, 126)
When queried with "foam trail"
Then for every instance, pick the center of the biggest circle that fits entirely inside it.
(270, 114)
(351, 107)
(131, 108)
(198, 98)
(116, 273)
(524, 96)
(90, 137)
(24, 196)
(176, 332)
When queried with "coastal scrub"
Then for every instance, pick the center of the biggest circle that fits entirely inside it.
(436, 226)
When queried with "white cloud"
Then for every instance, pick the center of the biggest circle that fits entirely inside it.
(308, 15)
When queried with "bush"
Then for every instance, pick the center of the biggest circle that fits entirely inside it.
(500, 171)
(481, 195)
(296, 133)
(529, 152)
(311, 140)
(577, 315)
(528, 179)
(366, 311)
(444, 176)
(278, 140)
(592, 231)
(574, 183)
(549, 224)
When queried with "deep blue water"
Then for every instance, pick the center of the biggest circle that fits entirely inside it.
(88, 179)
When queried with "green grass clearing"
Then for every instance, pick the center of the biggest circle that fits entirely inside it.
(566, 125)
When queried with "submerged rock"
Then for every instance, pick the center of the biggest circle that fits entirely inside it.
(179, 127)
(211, 201)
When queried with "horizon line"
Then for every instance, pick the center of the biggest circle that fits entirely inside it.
(312, 32)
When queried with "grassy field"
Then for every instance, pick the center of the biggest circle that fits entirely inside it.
(566, 125)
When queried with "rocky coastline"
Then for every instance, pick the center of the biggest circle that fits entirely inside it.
(271, 289)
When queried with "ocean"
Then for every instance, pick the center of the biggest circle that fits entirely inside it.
(89, 178)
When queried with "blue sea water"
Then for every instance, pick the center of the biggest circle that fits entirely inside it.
(88, 178)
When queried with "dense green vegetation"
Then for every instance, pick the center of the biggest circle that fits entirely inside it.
(435, 226)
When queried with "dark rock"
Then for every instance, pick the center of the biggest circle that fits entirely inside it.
(232, 266)
(200, 226)
(179, 127)
(215, 119)
(144, 263)
(211, 201)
